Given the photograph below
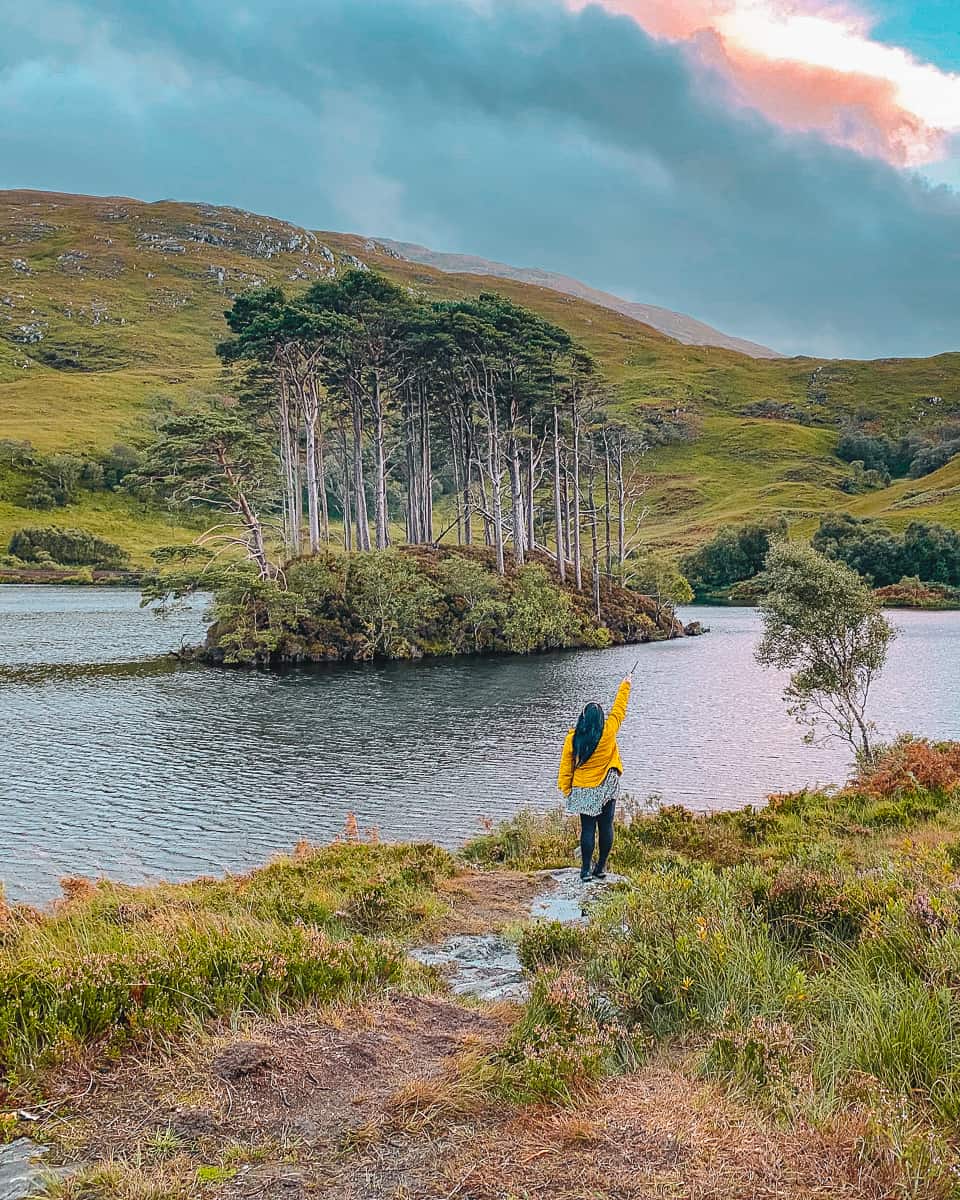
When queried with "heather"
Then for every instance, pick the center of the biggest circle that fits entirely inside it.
(786, 975)
(808, 952)
(112, 962)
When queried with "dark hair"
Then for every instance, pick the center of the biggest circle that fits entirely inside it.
(586, 736)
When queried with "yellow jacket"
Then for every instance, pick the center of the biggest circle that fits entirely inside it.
(607, 754)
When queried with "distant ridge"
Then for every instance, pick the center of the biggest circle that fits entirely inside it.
(676, 325)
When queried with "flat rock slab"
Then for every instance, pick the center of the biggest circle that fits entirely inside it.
(486, 966)
(567, 897)
(22, 1173)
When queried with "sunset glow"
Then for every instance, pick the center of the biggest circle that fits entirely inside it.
(810, 66)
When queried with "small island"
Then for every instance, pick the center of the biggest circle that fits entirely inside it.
(508, 507)
(422, 602)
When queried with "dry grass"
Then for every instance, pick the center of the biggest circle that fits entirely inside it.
(489, 901)
(658, 1134)
(389, 1102)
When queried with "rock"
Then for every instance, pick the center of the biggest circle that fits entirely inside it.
(242, 1059)
(29, 334)
(569, 897)
(485, 966)
(695, 629)
(73, 260)
(22, 1172)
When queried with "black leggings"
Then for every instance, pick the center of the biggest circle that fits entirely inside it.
(588, 833)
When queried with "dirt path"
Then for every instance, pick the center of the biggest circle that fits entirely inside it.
(381, 1103)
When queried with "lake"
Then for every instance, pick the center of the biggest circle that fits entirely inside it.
(114, 764)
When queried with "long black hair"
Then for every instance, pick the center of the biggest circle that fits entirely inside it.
(586, 736)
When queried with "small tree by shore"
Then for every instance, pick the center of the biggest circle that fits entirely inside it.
(823, 624)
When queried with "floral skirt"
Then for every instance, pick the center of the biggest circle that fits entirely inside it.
(588, 802)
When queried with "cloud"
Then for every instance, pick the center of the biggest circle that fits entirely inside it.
(813, 66)
(513, 129)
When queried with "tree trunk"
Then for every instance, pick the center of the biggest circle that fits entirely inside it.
(468, 454)
(380, 447)
(297, 486)
(347, 507)
(621, 506)
(606, 505)
(557, 499)
(310, 429)
(594, 537)
(426, 474)
(291, 532)
(359, 483)
(322, 484)
(531, 467)
(516, 498)
(567, 508)
(457, 472)
(411, 498)
(250, 520)
(487, 520)
(577, 559)
(495, 473)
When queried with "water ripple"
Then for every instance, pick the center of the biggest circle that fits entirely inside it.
(114, 760)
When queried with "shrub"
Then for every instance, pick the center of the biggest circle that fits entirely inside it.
(391, 600)
(802, 903)
(911, 765)
(562, 1043)
(40, 496)
(860, 479)
(479, 598)
(69, 547)
(735, 554)
(549, 944)
(541, 617)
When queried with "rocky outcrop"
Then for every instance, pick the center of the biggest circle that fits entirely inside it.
(23, 1172)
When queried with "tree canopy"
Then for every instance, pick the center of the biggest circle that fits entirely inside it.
(823, 624)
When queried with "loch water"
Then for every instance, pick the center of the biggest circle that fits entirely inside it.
(115, 760)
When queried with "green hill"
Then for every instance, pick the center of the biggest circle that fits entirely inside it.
(109, 305)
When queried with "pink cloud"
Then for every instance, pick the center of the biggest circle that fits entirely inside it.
(809, 65)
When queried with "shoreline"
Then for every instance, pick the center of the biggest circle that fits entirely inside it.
(130, 581)
(361, 1007)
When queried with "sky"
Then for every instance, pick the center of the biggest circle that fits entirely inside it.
(787, 170)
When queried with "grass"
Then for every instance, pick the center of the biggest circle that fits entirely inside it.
(809, 950)
(114, 962)
(783, 979)
(137, 319)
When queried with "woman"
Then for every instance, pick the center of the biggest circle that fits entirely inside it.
(590, 770)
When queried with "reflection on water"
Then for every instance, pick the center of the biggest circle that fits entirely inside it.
(156, 769)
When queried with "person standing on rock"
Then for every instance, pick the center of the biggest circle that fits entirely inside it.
(589, 778)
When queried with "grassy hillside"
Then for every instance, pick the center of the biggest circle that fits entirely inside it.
(108, 306)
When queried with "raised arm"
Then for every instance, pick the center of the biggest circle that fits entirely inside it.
(565, 775)
(619, 710)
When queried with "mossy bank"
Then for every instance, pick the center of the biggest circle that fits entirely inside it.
(419, 602)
